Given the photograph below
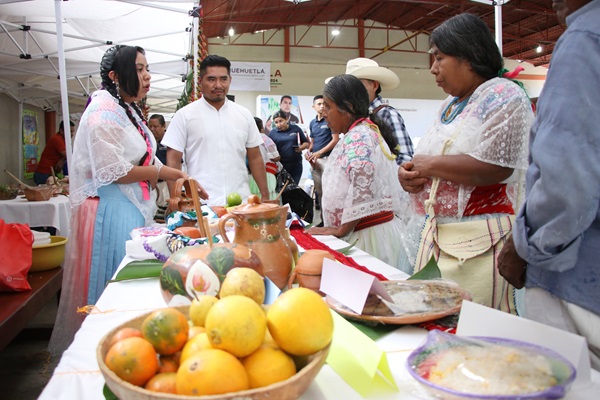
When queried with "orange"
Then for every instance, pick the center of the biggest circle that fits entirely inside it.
(124, 333)
(244, 281)
(133, 359)
(164, 382)
(167, 329)
(167, 364)
(236, 324)
(194, 345)
(268, 365)
(300, 322)
(211, 371)
(199, 308)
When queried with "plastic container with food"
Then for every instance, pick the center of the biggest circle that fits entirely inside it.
(486, 368)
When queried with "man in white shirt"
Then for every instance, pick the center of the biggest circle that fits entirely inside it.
(215, 136)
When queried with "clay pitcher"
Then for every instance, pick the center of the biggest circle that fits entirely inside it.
(258, 226)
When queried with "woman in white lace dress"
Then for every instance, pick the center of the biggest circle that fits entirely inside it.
(482, 130)
(112, 176)
(363, 193)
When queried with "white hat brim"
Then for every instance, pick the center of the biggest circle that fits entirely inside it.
(387, 79)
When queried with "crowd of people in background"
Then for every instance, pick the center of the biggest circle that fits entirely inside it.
(484, 161)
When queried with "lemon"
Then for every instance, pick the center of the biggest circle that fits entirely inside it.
(194, 345)
(200, 307)
(236, 324)
(268, 365)
(234, 199)
(300, 322)
(246, 282)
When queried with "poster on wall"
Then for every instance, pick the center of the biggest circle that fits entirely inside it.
(299, 109)
(30, 143)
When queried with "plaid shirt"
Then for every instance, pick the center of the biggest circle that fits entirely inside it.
(394, 120)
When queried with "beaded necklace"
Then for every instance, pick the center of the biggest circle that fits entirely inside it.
(453, 109)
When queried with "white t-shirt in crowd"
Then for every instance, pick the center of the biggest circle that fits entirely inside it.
(214, 143)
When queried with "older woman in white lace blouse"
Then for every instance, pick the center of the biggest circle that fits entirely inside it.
(477, 145)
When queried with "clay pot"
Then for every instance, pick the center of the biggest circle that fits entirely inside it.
(189, 231)
(261, 227)
(309, 268)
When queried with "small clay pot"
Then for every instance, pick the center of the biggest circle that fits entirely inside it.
(309, 268)
(189, 231)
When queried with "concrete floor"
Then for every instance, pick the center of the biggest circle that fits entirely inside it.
(25, 364)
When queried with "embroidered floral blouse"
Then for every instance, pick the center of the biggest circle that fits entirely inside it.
(359, 179)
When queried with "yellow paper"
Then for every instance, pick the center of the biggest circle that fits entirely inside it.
(358, 359)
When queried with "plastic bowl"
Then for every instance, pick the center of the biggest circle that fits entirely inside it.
(561, 368)
(291, 388)
(48, 256)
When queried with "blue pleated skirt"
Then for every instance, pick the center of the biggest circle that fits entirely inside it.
(115, 219)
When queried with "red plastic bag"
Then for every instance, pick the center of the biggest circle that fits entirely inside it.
(16, 242)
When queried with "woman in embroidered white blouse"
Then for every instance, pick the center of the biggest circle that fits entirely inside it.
(476, 147)
(112, 176)
(362, 192)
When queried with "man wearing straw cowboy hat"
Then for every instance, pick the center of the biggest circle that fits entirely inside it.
(376, 79)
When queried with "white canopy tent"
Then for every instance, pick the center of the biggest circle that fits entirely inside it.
(29, 47)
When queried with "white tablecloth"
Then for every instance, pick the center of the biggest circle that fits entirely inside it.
(77, 376)
(55, 212)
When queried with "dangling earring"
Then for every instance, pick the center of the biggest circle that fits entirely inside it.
(117, 88)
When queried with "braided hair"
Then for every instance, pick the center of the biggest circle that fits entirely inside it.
(121, 60)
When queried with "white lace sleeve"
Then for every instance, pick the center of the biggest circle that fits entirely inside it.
(107, 146)
(506, 117)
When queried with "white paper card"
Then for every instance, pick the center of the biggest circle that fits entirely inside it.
(350, 286)
(271, 291)
(478, 320)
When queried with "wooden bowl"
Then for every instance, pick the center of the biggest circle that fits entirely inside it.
(40, 193)
(308, 368)
(48, 256)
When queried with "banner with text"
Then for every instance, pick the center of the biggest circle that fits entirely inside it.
(250, 76)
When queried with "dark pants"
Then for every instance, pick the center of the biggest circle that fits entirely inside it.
(295, 170)
(40, 178)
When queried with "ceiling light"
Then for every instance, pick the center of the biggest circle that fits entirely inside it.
(231, 32)
(335, 32)
(539, 49)
(297, 1)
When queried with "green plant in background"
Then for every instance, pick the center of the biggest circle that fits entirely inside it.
(187, 90)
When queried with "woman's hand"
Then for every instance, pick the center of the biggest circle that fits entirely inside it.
(154, 172)
(322, 231)
(410, 179)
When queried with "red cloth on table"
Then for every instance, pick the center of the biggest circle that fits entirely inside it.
(307, 242)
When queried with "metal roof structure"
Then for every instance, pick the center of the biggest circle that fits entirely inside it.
(525, 24)
(29, 52)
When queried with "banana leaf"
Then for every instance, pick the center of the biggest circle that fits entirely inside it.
(430, 271)
(346, 250)
(139, 269)
(108, 394)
